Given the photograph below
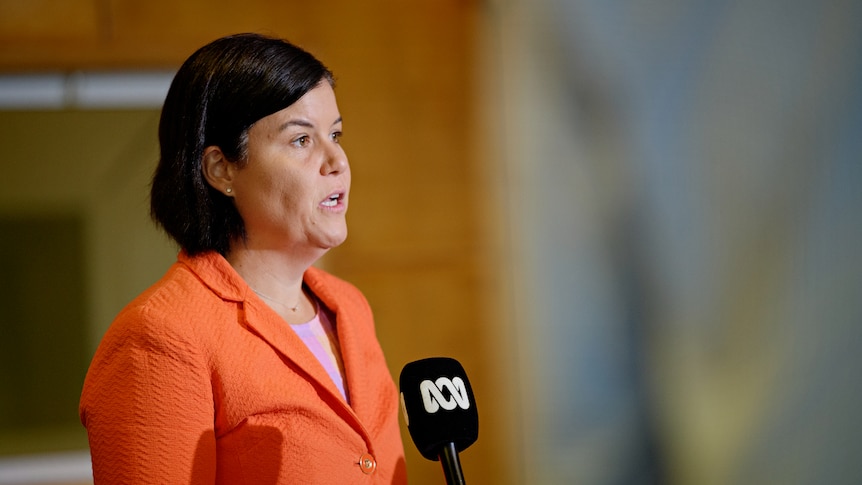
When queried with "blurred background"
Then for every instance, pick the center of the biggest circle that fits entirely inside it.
(636, 224)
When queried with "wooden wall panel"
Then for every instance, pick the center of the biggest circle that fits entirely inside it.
(129, 34)
(31, 22)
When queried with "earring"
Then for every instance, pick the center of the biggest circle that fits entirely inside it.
(228, 190)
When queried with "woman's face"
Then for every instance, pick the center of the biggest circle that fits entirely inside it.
(292, 192)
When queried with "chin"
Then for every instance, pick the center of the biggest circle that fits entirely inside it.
(340, 241)
(335, 240)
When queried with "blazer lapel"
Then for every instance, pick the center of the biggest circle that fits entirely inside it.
(270, 327)
(259, 318)
(353, 344)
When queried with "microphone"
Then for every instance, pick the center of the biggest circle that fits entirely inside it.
(440, 411)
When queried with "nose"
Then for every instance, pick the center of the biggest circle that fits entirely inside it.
(335, 162)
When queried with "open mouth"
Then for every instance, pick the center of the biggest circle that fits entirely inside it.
(332, 200)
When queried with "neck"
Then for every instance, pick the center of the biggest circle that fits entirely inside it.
(273, 275)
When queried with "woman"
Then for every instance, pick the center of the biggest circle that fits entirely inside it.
(244, 364)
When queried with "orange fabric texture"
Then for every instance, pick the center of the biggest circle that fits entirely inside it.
(199, 381)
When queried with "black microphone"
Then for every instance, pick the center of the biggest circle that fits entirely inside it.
(440, 411)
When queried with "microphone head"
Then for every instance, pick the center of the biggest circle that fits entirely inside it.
(438, 405)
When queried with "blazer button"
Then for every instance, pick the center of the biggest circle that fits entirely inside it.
(367, 463)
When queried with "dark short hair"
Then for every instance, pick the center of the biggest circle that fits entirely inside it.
(215, 97)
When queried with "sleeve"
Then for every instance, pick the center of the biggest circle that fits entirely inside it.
(147, 405)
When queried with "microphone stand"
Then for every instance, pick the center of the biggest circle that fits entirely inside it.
(451, 465)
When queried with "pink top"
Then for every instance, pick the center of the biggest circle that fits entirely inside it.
(320, 338)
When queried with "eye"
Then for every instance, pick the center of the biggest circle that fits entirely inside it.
(302, 141)
(336, 136)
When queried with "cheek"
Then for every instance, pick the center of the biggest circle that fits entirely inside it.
(256, 195)
(292, 193)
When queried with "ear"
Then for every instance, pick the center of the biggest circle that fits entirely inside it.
(217, 170)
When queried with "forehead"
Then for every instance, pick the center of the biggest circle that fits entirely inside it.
(317, 108)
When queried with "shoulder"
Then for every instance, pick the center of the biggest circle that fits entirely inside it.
(167, 313)
(156, 334)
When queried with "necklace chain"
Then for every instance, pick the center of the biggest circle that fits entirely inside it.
(292, 308)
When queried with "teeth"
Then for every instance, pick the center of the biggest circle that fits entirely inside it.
(332, 201)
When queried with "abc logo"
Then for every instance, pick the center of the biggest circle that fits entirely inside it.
(434, 398)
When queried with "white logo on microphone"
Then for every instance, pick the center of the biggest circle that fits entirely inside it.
(432, 394)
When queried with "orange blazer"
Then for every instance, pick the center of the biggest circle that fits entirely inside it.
(199, 381)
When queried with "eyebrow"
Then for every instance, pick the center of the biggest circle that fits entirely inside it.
(303, 122)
